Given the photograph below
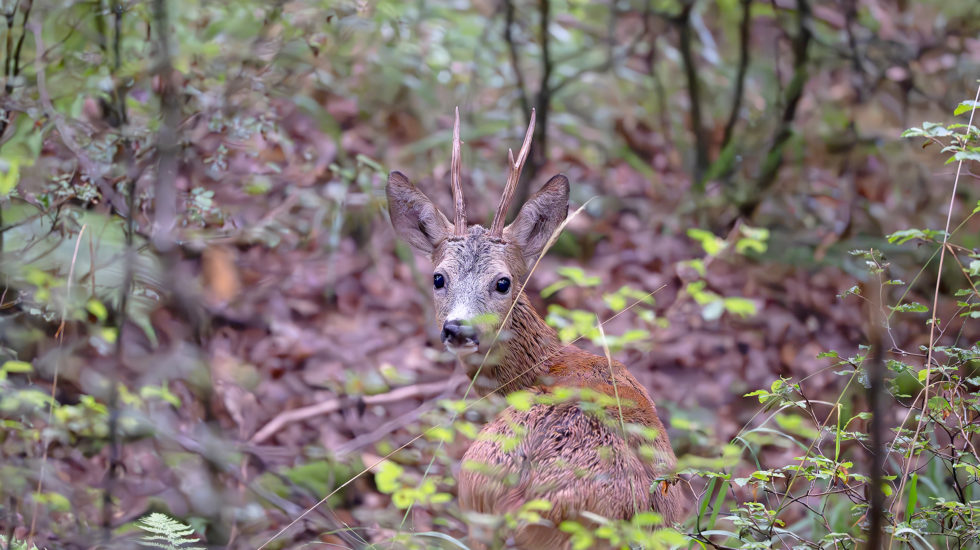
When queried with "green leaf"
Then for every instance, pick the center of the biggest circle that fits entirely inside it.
(160, 392)
(440, 433)
(923, 374)
(554, 287)
(698, 264)
(9, 176)
(97, 309)
(387, 477)
(577, 276)
(965, 107)
(745, 244)
(905, 235)
(742, 307)
(521, 400)
(967, 155)
(19, 367)
(763, 395)
(935, 130)
(911, 307)
(538, 504)
(616, 302)
(711, 244)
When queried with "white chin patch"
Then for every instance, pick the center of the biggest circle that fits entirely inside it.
(462, 351)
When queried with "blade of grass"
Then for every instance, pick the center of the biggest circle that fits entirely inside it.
(912, 497)
(704, 502)
(716, 506)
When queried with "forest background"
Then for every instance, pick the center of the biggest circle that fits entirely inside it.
(204, 311)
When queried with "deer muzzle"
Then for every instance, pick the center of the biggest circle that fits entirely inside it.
(460, 337)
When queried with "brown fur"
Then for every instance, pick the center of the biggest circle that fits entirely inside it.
(574, 456)
(577, 461)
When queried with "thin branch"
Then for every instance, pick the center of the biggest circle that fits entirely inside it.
(121, 321)
(514, 61)
(743, 65)
(544, 91)
(165, 192)
(8, 58)
(784, 131)
(542, 107)
(658, 84)
(119, 91)
(683, 22)
(20, 41)
(305, 413)
(876, 398)
(612, 57)
(11, 75)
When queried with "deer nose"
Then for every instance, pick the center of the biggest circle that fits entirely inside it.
(457, 333)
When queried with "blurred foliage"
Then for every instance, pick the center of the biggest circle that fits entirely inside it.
(140, 354)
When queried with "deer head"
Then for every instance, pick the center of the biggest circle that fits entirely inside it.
(477, 272)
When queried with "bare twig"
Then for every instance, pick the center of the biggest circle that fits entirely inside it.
(658, 84)
(20, 41)
(326, 407)
(743, 65)
(542, 106)
(683, 23)
(613, 56)
(120, 361)
(784, 131)
(514, 61)
(8, 58)
(876, 395)
(165, 192)
(12, 56)
(120, 117)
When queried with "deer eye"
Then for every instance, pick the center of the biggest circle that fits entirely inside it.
(503, 285)
(438, 280)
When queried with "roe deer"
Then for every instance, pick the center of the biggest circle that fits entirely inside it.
(571, 457)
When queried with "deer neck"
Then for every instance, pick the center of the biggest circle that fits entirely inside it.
(528, 347)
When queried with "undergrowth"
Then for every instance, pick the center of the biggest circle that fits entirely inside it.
(822, 497)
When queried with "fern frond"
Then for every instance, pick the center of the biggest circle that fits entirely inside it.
(167, 533)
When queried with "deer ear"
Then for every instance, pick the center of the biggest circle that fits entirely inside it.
(539, 217)
(415, 218)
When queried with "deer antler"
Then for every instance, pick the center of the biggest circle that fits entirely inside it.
(454, 169)
(514, 176)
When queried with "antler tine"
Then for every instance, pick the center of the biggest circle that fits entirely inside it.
(513, 177)
(454, 168)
